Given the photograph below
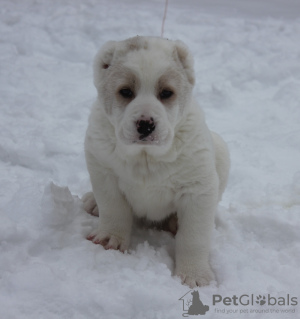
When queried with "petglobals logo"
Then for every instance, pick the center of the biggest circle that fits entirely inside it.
(251, 300)
(194, 304)
(254, 304)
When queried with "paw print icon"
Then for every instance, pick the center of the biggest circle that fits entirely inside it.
(261, 300)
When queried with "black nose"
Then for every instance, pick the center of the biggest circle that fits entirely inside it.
(145, 127)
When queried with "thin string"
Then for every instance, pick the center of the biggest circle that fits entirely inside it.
(164, 18)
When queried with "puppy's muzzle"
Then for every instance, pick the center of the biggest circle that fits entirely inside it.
(145, 126)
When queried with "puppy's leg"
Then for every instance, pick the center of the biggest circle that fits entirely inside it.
(115, 216)
(222, 161)
(195, 225)
(89, 204)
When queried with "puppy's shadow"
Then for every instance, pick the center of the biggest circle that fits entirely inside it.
(160, 242)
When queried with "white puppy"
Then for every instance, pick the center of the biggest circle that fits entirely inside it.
(150, 153)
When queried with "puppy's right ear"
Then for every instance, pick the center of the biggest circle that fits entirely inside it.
(103, 60)
(183, 55)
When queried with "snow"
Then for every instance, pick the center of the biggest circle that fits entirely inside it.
(247, 60)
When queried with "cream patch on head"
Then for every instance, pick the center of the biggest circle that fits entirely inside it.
(168, 86)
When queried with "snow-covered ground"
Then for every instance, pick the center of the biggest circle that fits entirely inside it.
(247, 60)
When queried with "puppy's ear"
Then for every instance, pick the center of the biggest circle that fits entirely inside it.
(103, 60)
(183, 55)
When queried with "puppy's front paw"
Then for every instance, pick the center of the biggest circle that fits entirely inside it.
(109, 241)
(196, 277)
(89, 204)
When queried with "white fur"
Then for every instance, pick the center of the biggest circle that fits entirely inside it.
(180, 167)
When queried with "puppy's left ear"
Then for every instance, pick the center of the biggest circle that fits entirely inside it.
(183, 55)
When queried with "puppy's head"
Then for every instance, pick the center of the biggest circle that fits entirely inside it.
(144, 85)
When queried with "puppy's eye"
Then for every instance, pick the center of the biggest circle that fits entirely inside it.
(165, 94)
(126, 93)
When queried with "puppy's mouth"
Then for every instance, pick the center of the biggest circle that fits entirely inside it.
(147, 140)
(141, 139)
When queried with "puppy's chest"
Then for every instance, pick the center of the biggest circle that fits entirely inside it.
(150, 198)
